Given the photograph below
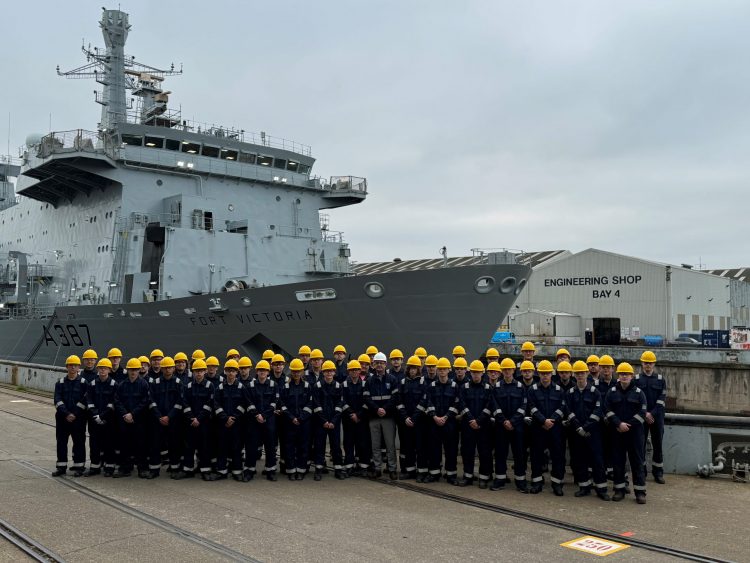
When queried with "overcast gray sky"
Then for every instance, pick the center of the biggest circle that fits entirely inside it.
(528, 125)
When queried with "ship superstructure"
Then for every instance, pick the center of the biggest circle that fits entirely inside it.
(152, 206)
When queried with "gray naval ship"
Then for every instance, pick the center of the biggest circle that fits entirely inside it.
(157, 231)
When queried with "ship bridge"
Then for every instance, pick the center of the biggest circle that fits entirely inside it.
(68, 167)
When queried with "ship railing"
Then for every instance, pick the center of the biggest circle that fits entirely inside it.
(26, 311)
(141, 219)
(76, 140)
(347, 184)
(333, 236)
(172, 119)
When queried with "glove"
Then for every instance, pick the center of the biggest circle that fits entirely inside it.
(581, 432)
(527, 420)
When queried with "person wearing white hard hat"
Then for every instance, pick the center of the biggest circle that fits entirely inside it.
(381, 398)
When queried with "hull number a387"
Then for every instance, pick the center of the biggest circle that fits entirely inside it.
(67, 335)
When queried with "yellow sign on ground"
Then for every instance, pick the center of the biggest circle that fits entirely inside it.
(596, 546)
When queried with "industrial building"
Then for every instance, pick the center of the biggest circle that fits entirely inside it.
(599, 297)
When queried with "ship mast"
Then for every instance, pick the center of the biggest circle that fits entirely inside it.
(108, 68)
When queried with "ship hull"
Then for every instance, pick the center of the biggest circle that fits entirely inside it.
(436, 309)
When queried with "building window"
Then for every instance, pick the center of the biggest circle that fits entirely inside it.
(247, 157)
(265, 160)
(154, 142)
(696, 322)
(280, 163)
(172, 144)
(723, 323)
(680, 322)
(132, 140)
(210, 151)
(711, 322)
(192, 148)
(228, 154)
(292, 166)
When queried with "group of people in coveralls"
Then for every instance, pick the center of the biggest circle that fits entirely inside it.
(198, 416)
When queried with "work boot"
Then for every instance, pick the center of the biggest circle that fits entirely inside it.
(77, 472)
(451, 480)
(640, 497)
(208, 476)
(522, 487)
(582, 492)
(181, 474)
(92, 472)
(618, 495)
(356, 472)
(289, 475)
(659, 478)
(339, 474)
(108, 473)
(557, 489)
(421, 477)
(60, 471)
(300, 475)
(393, 475)
(324, 470)
(237, 477)
(318, 475)
(153, 474)
(497, 484)
(483, 483)
(122, 473)
(431, 478)
(404, 475)
(271, 476)
(536, 489)
(220, 476)
(466, 482)
(602, 494)
(143, 474)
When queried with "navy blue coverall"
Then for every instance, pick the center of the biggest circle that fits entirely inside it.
(296, 403)
(70, 398)
(166, 441)
(627, 405)
(262, 399)
(585, 413)
(415, 446)
(442, 399)
(476, 405)
(133, 397)
(100, 399)
(230, 402)
(327, 405)
(655, 388)
(197, 404)
(547, 403)
(510, 404)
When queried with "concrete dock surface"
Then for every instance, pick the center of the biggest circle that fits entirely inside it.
(102, 519)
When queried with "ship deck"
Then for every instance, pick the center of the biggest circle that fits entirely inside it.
(98, 519)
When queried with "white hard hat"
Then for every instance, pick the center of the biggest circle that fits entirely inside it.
(379, 357)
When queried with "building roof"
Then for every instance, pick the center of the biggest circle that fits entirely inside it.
(740, 274)
(532, 259)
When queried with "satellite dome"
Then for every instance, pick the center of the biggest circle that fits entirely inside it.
(33, 139)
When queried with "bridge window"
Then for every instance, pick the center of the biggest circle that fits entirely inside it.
(192, 148)
(265, 160)
(247, 157)
(304, 169)
(210, 151)
(228, 154)
(172, 144)
(292, 166)
(132, 140)
(280, 163)
(154, 142)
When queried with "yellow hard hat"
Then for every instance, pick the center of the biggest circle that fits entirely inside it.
(232, 352)
(267, 354)
(296, 365)
(231, 364)
(371, 350)
(459, 351)
(420, 352)
(104, 363)
(316, 354)
(328, 365)
(75, 361)
(198, 355)
(114, 353)
(647, 357)
(528, 346)
(90, 355)
(278, 358)
(212, 361)
(414, 361)
(364, 359)
(492, 353)
(431, 361)
(592, 359)
(625, 367)
(565, 366)
(476, 365)
(493, 366)
(133, 363)
(443, 363)
(507, 363)
(353, 364)
(527, 365)
(579, 367)
(144, 360)
(180, 357)
(544, 366)
(606, 360)
(339, 348)
(396, 353)
(199, 364)
(245, 362)
(304, 350)
(156, 353)
(461, 363)
(562, 352)
(167, 362)
(263, 364)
